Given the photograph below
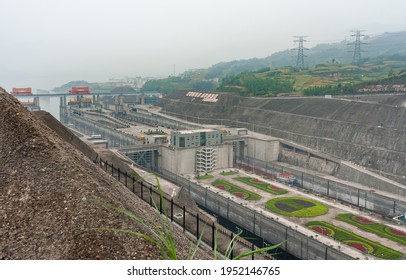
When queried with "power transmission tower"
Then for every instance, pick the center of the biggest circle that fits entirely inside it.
(300, 56)
(356, 59)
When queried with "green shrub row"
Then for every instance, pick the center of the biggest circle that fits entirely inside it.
(261, 185)
(227, 173)
(202, 177)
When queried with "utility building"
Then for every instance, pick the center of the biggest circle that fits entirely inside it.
(197, 151)
(196, 138)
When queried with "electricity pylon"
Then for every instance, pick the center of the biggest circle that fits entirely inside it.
(300, 55)
(356, 59)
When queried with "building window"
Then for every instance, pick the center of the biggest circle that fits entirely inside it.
(182, 142)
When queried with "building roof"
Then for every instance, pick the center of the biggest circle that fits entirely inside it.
(195, 131)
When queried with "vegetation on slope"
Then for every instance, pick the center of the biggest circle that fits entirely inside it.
(328, 71)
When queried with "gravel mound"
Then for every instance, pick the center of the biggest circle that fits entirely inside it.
(47, 193)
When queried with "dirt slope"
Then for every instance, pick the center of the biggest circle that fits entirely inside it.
(46, 192)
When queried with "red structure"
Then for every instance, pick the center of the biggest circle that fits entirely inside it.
(22, 91)
(79, 90)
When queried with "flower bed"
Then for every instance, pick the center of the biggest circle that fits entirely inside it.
(356, 241)
(376, 228)
(261, 185)
(235, 190)
(296, 207)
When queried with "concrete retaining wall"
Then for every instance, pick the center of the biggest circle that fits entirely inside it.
(350, 172)
(308, 162)
(369, 134)
(272, 231)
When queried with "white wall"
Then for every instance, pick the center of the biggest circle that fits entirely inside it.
(178, 161)
(224, 156)
(266, 150)
(183, 161)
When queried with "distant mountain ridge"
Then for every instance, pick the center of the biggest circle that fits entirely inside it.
(387, 44)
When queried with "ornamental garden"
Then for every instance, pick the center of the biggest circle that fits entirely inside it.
(295, 206)
(373, 227)
(236, 190)
(261, 185)
(354, 240)
(301, 207)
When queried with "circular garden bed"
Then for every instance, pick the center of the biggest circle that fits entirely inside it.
(296, 207)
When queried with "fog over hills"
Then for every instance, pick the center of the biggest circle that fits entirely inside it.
(386, 44)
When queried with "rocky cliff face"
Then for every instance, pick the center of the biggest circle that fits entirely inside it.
(47, 188)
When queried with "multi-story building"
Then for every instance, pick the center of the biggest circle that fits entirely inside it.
(196, 138)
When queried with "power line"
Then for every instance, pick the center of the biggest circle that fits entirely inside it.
(356, 59)
(300, 55)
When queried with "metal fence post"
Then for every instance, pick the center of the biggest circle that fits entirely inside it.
(171, 209)
(160, 203)
(231, 246)
(150, 196)
(112, 168)
(133, 184)
(184, 218)
(142, 190)
(197, 226)
(213, 236)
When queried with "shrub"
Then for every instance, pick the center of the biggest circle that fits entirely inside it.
(261, 185)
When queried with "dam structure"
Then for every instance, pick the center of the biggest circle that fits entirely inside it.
(369, 134)
(312, 147)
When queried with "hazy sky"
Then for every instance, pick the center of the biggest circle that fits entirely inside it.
(45, 43)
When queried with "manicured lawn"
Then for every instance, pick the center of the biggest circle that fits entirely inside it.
(228, 173)
(376, 228)
(202, 177)
(261, 185)
(354, 240)
(296, 207)
(235, 190)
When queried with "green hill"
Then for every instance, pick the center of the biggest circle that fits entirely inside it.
(328, 70)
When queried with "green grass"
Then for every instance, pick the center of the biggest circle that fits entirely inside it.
(236, 190)
(261, 185)
(297, 209)
(202, 177)
(348, 237)
(228, 173)
(376, 228)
